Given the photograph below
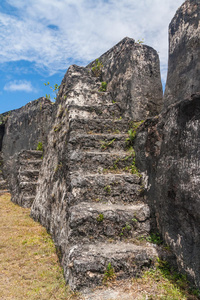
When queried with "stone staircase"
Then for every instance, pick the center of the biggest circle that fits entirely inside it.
(29, 163)
(3, 183)
(107, 217)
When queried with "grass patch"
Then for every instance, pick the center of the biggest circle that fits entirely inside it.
(164, 283)
(29, 265)
(160, 283)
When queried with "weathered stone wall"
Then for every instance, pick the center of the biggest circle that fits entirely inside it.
(167, 147)
(27, 126)
(183, 78)
(170, 162)
(132, 72)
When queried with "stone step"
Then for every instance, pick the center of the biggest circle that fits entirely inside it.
(113, 188)
(102, 142)
(99, 126)
(86, 265)
(28, 188)
(30, 164)
(24, 201)
(3, 185)
(27, 201)
(28, 175)
(94, 221)
(31, 155)
(100, 162)
(103, 111)
(4, 192)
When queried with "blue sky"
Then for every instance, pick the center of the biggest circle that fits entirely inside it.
(40, 39)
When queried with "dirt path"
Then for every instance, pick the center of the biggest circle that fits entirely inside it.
(29, 267)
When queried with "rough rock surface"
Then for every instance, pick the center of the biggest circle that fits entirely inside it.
(183, 78)
(132, 72)
(167, 147)
(170, 162)
(87, 197)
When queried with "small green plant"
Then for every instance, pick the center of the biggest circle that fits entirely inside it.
(100, 218)
(103, 87)
(195, 292)
(60, 111)
(54, 89)
(107, 188)
(57, 128)
(134, 169)
(168, 283)
(4, 117)
(96, 200)
(97, 68)
(155, 238)
(130, 168)
(140, 41)
(106, 144)
(109, 274)
(58, 167)
(39, 146)
(130, 139)
(134, 220)
(125, 229)
(132, 132)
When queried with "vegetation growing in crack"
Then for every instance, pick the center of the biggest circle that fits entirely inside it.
(126, 229)
(39, 147)
(4, 118)
(100, 218)
(106, 144)
(57, 128)
(97, 68)
(155, 238)
(109, 274)
(131, 168)
(107, 188)
(60, 111)
(54, 89)
(132, 133)
(140, 41)
(103, 87)
(58, 167)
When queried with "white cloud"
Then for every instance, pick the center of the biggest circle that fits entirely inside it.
(19, 86)
(81, 30)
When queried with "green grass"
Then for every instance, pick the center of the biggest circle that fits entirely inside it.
(166, 284)
(29, 265)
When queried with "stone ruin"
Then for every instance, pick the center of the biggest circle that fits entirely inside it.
(98, 190)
